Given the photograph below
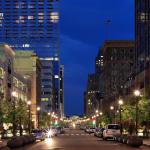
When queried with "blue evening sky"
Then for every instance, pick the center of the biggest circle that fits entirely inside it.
(82, 33)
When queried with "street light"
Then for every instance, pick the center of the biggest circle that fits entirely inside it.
(111, 113)
(14, 95)
(38, 110)
(96, 111)
(136, 94)
(101, 113)
(120, 102)
(29, 107)
(111, 107)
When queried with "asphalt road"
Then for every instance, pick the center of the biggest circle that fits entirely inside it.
(78, 140)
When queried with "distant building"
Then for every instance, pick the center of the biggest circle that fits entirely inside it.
(27, 64)
(91, 95)
(62, 90)
(46, 85)
(94, 94)
(118, 67)
(142, 35)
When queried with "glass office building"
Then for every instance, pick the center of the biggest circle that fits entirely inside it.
(142, 37)
(31, 24)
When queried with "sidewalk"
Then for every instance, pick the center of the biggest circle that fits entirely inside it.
(146, 142)
(3, 143)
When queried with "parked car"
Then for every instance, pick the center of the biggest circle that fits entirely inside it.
(111, 130)
(59, 130)
(90, 130)
(39, 134)
(99, 133)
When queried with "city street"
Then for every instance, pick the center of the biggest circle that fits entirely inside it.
(77, 140)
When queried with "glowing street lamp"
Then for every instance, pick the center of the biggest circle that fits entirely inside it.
(38, 110)
(14, 95)
(111, 107)
(137, 94)
(96, 111)
(101, 113)
(29, 107)
(120, 102)
(111, 113)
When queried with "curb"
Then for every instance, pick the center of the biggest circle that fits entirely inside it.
(146, 145)
(2, 147)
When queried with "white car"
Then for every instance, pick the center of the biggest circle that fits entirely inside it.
(111, 130)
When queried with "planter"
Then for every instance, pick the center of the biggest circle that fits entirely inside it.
(124, 140)
(117, 137)
(134, 141)
(20, 141)
(25, 140)
(15, 142)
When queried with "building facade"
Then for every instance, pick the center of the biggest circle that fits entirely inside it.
(14, 88)
(118, 66)
(142, 36)
(62, 90)
(46, 85)
(94, 94)
(91, 95)
(27, 64)
(31, 25)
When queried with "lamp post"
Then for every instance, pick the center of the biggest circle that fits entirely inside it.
(136, 94)
(120, 102)
(38, 113)
(29, 123)
(49, 114)
(14, 95)
(112, 109)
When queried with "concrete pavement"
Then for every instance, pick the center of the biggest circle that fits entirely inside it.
(77, 140)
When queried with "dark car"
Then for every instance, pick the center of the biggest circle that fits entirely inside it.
(38, 134)
(99, 133)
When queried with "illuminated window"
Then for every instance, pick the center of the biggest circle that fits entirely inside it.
(56, 76)
(54, 17)
(40, 14)
(26, 45)
(30, 17)
(56, 59)
(44, 99)
(1, 15)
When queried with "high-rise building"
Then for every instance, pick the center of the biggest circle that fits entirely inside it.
(62, 90)
(118, 67)
(91, 95)
(46, 85)
(142, 36)
(31, 25)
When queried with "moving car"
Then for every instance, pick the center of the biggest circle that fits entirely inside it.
(39, 134)
(111, 130)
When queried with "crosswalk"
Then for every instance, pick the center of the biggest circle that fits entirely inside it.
(76, 134)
